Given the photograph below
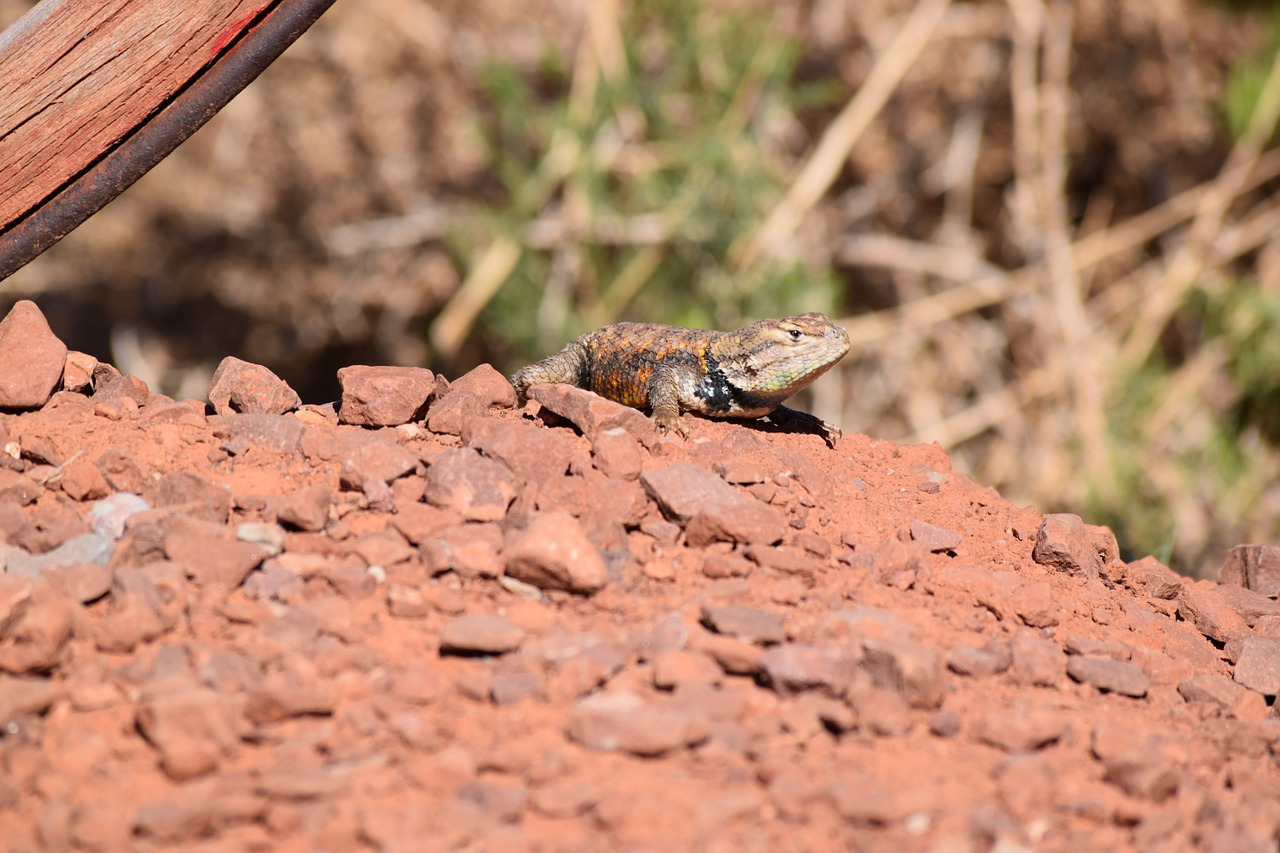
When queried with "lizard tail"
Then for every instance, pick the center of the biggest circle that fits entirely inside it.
(568, 366)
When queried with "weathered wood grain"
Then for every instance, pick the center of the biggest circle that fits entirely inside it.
(77, 76)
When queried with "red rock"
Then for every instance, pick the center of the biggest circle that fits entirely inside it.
(213, 562)
(18, 488)
(477, 488)
(913, 670)
(532, 454)
(784, 560)
(475, 392)
(583, 671)
(794, 667)
(672, 669)
(734, 656)
(471, 550)
(1211, 614)
(979, 662)
(554, 553)
(15, 599)
(1255, 567)
(280, 434)
(77, 373)
(725, 565)
(128, 392)
(945, 724)
(486, 635)
(710, 509)
(1109, 675)
(408, 489)
(104, 373)
(511, 688)
(274, 581)
(102, 826)
(34, 643)
(496, 800)
(31, 358)
(990, 588)
(26, 697)
(193, 730)
(294, 782)
(145, 603)
(813, 544)
(419, 521)
(406, 602)
(740, 472)
(1021, 729)
(239, 386)
(1259, 665)
(1036, 661)
(591, 413)
(1063, 543)
(1219, 691)
(199, 497)
(82, 481)
(565, 798)
(418, 684)
(366, 457)
(42, 449)
(384, 396)
(199, 808)
(347, 575)
(933, 537)
(383, 549)
(50, 524)
(305, 509)
(123, 471)
(294, 690)
(188, 413)
(899, 564)
(749, 624)
(624, 722)
(1034, 604)
(682, 490)
(1112, 650)
(1251, 606)
(1027, 784)
(616, 454)
(1134, 761)
(860, 797)
(1154, 578)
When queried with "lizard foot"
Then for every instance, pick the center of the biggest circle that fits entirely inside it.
(805, 422)
(666, 422)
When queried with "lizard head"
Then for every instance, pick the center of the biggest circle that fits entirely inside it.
(773, 359)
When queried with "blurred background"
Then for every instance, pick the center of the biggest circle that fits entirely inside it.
(1049, 226)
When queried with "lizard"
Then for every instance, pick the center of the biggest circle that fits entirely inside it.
(747, 373)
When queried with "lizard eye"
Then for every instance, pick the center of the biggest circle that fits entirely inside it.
(794, 334)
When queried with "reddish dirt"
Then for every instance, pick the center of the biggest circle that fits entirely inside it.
(501, 629)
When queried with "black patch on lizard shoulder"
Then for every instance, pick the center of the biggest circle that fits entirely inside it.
(583, 379)
(745, 401)
(715, 390)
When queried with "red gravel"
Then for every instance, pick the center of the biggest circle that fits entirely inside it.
(507, 630)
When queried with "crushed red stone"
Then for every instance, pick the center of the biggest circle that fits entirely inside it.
(421, 617)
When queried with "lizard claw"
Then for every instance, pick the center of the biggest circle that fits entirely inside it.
(669, 423)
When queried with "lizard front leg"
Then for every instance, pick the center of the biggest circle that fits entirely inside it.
(664, 400)
(805, 422)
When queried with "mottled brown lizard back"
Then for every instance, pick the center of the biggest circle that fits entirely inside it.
(747, 373)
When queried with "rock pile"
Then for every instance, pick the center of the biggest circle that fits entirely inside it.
(421, 619)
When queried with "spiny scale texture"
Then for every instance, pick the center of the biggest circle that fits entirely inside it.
(747, 373)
